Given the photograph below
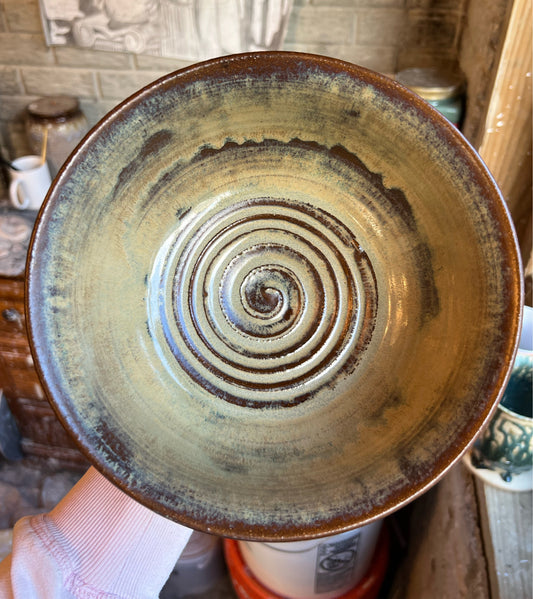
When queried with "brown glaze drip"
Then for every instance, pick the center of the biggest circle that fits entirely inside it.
(396, 200)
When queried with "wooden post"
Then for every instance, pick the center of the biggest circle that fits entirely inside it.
(505, 144)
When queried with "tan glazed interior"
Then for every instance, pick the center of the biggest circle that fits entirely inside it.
(274, 296)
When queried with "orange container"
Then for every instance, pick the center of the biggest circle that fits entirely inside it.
(248, 587)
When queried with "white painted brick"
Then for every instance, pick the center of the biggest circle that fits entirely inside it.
(435, 30)
(362, 3)
(95, 110)
(13, 107)
(381, 27)
(423, 57)
(12, 125)
(24, 49)
(3, 24)
(159, 63)
(382, 35)
(382, 59)
(69, 56)
(436, 5)
(46, 81)
(17, 139)
(22, 16)
(320, 25)
(120, 85)
(334, 3)
(322, 49)
(10, 83)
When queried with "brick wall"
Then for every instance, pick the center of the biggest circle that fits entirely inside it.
(384, 35)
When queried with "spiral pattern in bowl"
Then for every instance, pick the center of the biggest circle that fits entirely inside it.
(263, 303)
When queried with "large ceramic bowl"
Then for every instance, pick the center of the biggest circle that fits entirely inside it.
(274, 296)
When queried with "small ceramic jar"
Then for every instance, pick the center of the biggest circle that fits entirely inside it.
(444, 90)
(66, 125)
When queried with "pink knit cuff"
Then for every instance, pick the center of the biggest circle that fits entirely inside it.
(107, 543)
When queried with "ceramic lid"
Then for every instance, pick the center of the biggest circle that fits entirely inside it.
(53, 107)
(432, 83)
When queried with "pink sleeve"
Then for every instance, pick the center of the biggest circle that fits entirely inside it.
(96, 543)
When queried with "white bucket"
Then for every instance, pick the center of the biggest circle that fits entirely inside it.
(320, 568)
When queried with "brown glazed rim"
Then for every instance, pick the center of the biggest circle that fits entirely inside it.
(268, 62)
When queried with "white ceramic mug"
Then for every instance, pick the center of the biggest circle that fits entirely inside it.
(30, 183)
(317, 569)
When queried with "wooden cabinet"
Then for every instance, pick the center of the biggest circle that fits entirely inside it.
(18, 374)
(42, 434)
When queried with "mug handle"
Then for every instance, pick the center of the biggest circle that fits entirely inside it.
(14, 195)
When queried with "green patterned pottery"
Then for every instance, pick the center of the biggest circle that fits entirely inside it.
(502, 455)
